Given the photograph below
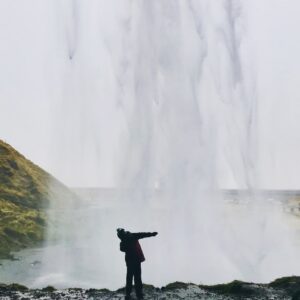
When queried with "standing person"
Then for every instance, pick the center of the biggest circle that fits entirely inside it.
(134, 257)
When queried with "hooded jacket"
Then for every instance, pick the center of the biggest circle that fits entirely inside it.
(131, 246)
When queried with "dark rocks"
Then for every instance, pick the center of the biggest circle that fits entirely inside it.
(287, 288)
(175, 286)
(234, 288)
(291, 286)
(49, 289)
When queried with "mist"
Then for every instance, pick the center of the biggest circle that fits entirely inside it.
(168, 103)
(73, 72)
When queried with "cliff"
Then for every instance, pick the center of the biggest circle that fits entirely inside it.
(25, 193)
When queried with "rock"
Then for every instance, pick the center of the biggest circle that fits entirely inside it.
(284, 288)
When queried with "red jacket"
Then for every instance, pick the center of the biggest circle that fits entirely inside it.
(131, 246)
(139, 252)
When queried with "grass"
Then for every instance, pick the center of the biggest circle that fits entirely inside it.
(20, 227)
(237, 288)
(175, 286)
(286, 282)
(25, 195)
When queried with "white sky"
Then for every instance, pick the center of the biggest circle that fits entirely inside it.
(66, 114)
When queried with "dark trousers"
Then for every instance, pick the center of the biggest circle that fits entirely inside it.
(134, 271)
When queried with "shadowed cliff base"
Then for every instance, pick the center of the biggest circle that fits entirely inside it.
(287, 288)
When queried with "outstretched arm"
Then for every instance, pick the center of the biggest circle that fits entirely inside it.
(141, 235)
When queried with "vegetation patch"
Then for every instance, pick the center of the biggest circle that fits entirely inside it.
(236, 287)
(175, 286)
(13, 287)
(25, 193)
(177, 290)
(290, 284)
(285, 282)
(49, 289)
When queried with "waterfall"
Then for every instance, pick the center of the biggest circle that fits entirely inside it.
(171, 89)
(164, 104)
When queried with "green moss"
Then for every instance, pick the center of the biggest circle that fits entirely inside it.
(148, 286)
(24, 197)
(236, 287)
(19, 228)
(93, 291)
(49, 289)
(291, 285)
(13, 287)
(285, 282)
(176, 285)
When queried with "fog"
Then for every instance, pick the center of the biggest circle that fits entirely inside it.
(178, 99)
(72, 74)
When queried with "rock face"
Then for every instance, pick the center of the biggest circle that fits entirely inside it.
(25, 193)
(284, 288)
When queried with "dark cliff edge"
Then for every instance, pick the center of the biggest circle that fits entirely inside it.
(25, 194)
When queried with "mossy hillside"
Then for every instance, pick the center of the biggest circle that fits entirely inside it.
(236, 287)
(290, 284)
(19, 227)
(25, 193)
(21, 181)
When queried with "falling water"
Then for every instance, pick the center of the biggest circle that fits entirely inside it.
(159, 102)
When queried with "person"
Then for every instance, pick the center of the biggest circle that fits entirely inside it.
(133, 257)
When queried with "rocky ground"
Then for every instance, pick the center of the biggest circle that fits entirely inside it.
(282, 289)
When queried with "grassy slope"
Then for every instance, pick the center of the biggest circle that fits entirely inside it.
(24, 196)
